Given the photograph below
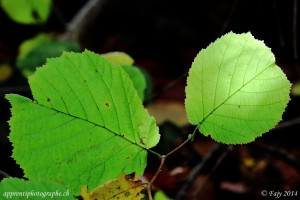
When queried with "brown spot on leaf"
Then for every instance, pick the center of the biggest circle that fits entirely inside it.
(107, 104)
(130, 177)
(48, 99)
(141, 141)
(127, 194)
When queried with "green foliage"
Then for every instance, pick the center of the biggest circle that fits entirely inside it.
(138, 79)
(27, 12)
(86, 124)
(35, 52)
(235, 91)
(14, 188)
(29, 44)
(159, 195)
(136, 75)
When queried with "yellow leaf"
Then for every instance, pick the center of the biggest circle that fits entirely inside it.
(118, 58)
(5, 72)
(126, 187)
(296, 89)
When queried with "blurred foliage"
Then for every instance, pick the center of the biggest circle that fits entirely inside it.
(35, 53)
(27, 12)
(5, 72)
(296, 89)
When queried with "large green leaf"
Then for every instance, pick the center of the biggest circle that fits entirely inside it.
(27, 11)
(235, 91)
(14, 188)
(86, 124)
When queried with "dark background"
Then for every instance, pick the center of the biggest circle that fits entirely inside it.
(164, 36)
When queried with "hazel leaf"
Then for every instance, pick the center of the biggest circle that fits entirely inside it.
(235, 92)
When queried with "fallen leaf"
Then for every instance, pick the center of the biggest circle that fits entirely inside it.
(126, 187)
(171, 111)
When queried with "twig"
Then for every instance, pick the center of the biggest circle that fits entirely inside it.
(4, 174)
(216, 165)
(163, 159)
(166, 88)
(286, 124)
(284, 156)
(226, 23)
(218, 151)
(86, 14)
(279, 28)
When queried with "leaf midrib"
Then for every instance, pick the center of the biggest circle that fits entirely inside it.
(93, 123)
(222, 103)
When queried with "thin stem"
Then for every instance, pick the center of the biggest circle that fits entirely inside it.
(82, 18)
(162, 162)
(190, 138)
(149, 192)
(217, 164)
(4, 174)
(216, 152)
(163, 159)
(155, 153)
(226, 23)
(166, 88)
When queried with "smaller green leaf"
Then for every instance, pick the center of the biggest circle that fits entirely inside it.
(136, 75)
(43, 49)
(29, 44)
(138, 79)
(27, 12)
(14, 188)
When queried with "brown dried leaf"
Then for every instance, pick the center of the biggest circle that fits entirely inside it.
(126, 187)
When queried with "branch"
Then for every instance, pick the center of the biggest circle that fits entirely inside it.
(218, 153)
(286, 124)
(4, 174)
(281, 154)
(83, 17)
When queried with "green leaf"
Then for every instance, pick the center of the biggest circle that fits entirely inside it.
(27, 12)
(38, 55)
(28, 45)
(138, 79)
(137, 76)
(235, 92)
(160, 195)
(86, 124)
(14, 188)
